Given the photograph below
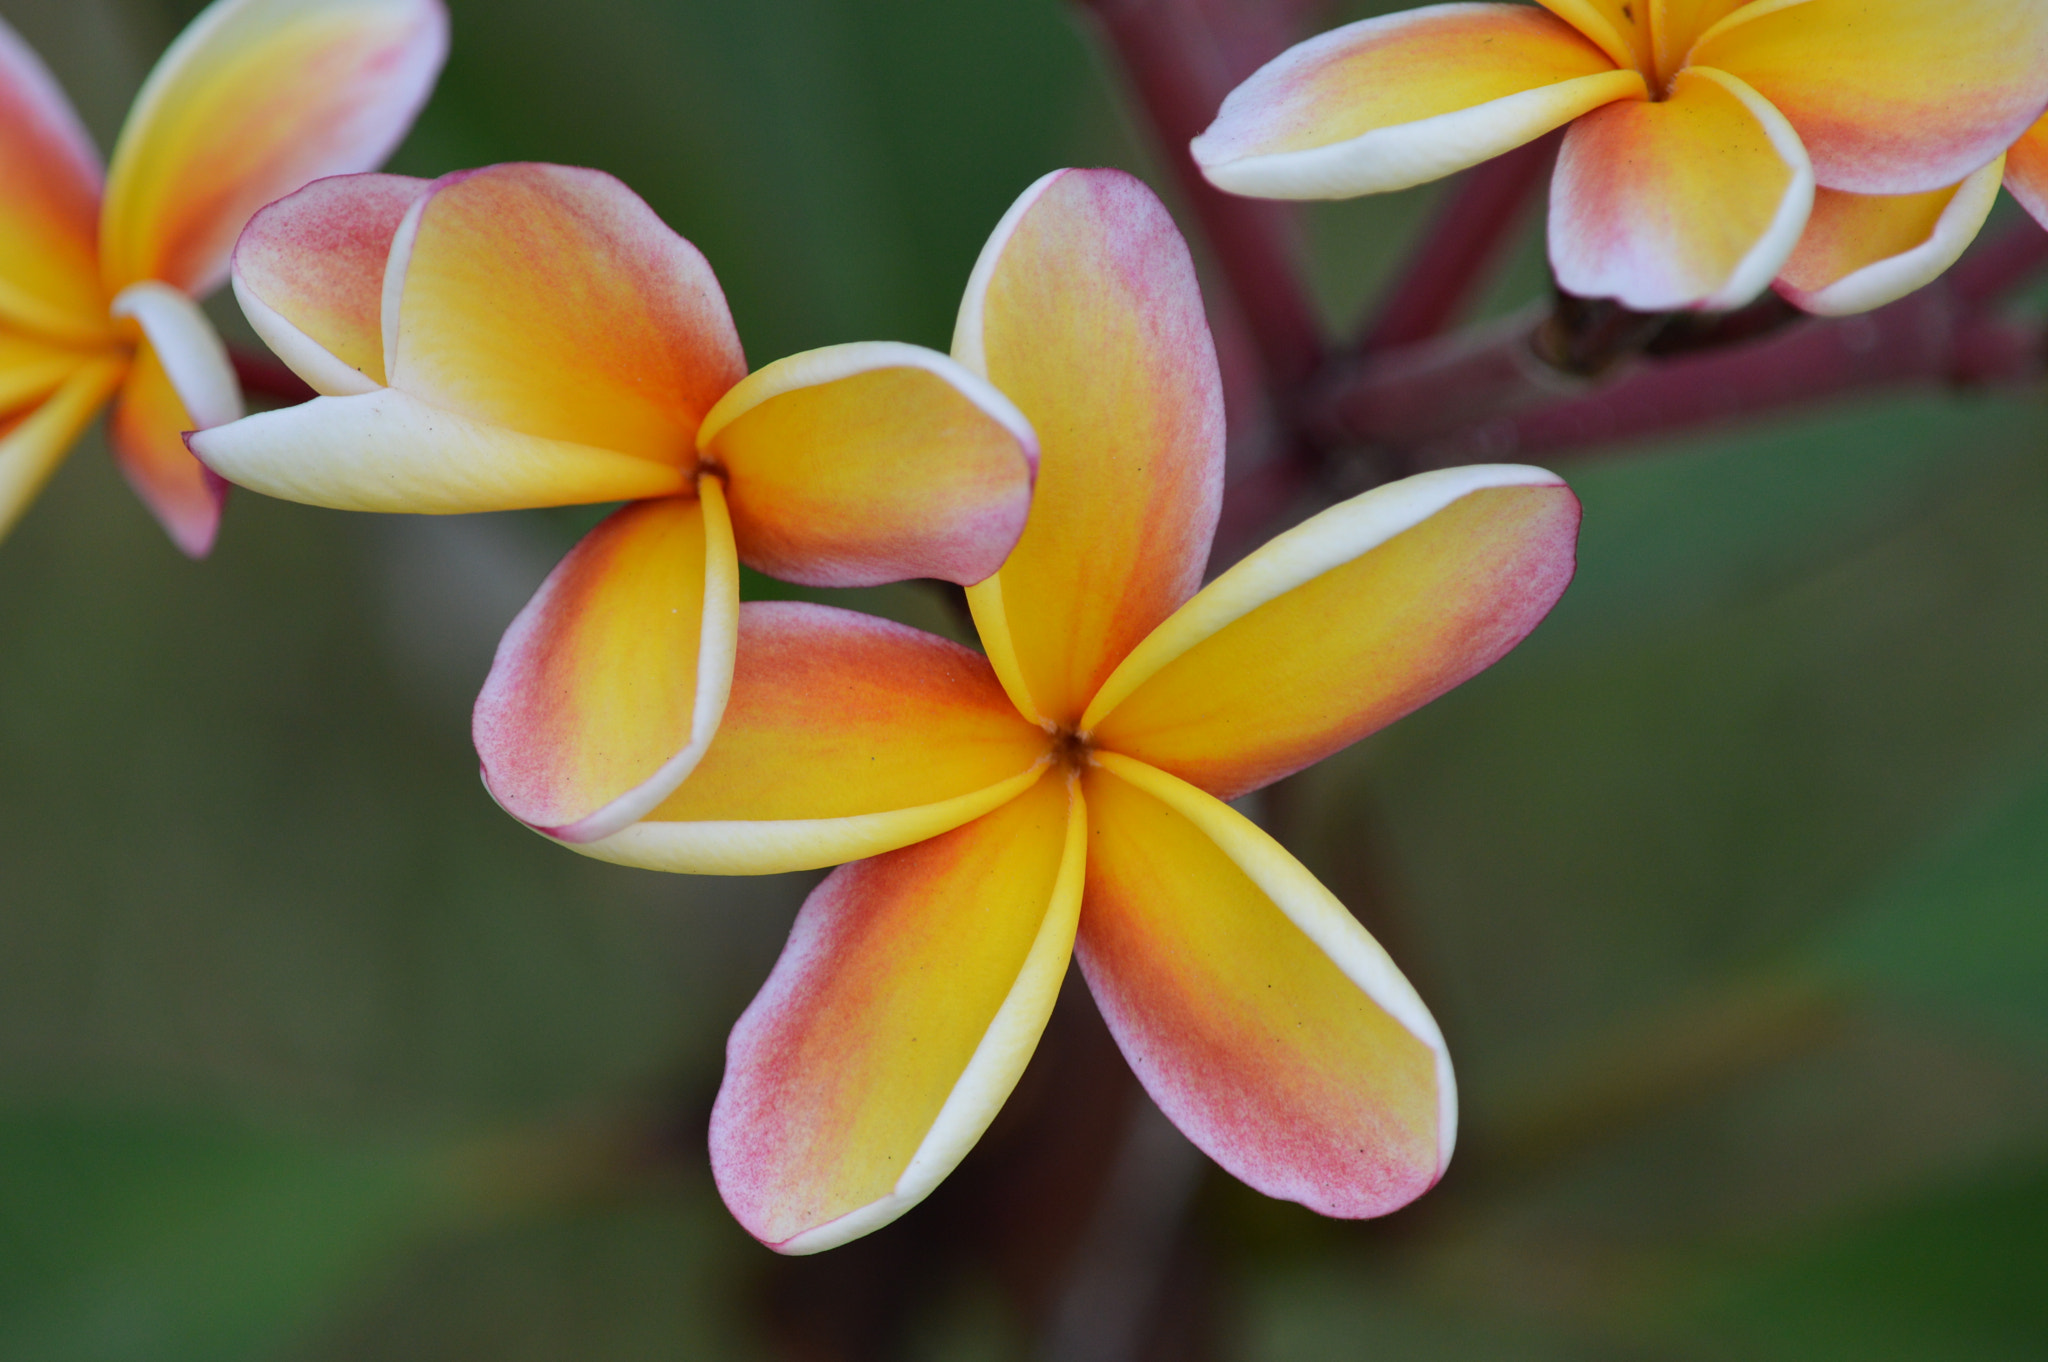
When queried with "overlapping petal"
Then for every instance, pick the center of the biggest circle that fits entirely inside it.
(32, 368)
(552, 301)
(1691, 202)
(255, 99)
(845, 736)
(1677, 25)
(2026, 171)
(1264, 1021)
(34, 442)
(1892, 96)
(1862, 251)
(388, 451)
(49, 210)
(146, 432)
(309, 273)
(912, 991)
(1342, 625)
(873, 462)
(1084, 310)
(609, 685)
(1401, 99)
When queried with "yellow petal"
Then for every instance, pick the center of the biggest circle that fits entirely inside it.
(1265, 1022)
(147, 432)
(1342, 625)
(1862, 251)
(1616, 27)
(255, 99)
(552, 301)
(2026, 171)
(1692, 202)
(309, 273)
(873, 462)
(1676, 25)
(32, 368)
(911, 994)
(845, 736)
(32, 446)
(1405, 98)
(1892, 96)
(1084, 311)
(49, 205)
(609, 685)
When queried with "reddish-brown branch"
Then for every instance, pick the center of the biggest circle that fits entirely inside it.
(1458, 249)
(263, 377)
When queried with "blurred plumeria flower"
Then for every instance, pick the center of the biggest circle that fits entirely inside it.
(1847, 149)
(98, 282)
(534, 335)
(1074, 779)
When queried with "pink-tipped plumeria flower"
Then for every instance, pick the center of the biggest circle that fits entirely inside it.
(534, 335)
(1848, 149)
(1066, 791)
(98, 282)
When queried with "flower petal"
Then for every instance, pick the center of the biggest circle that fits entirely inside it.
(50, 204)
(194, 357)
(1402, 99)
(913, 990)
(255, 99)
(1611, 25)
(1676, 25)
(552, 301)
(1084, 311)
(845, 736)
(309, 273)
(389, 451)
(1342, 625)
(1892, 96)
(31, 369)
(147, 433)
(1265, 1022)
(1692, 202)
(32, 446)
(1862, 251)
(609, 685)
(874, 462)
(2026, 171)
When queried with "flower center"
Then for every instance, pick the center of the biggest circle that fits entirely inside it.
(1070, 749)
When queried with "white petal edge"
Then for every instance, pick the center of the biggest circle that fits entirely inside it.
(1318, 545)
(998, 1060)
(304, 356)
(1315, 911)
(770, 847)
(1887, 281)
(718, 641)
(194, 357)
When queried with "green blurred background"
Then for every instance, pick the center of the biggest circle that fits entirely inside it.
(1730, 887)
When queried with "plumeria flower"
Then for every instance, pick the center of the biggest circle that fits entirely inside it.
(534, 335)
(1847, 149)
(98, 280)
(1065, 793)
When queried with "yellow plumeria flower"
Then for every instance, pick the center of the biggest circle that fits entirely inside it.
(1065, 793)
(97, 285)
(1848, 149)
(534, 335)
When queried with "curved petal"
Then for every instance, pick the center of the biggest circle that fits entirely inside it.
(1084, 310)
(873, 462)
(147, 433)
(32, 446)
(609, 685)
(552, 301)
(1677, 26)
(1862, 251)
(49, 206)
(845, 736)
(1402, 99)
(1265, 1022)
(194, 358)
(1892, 96)
(389, 451)
(2026, 171)
(1342, 625)
(1693, 202)
(31, 369)
(309, 273)
(912, 992)
(1611, 25)
(255, 99)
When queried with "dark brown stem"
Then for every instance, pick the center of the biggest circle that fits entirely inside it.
(266, 378)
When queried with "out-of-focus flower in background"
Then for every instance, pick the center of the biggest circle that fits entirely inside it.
(1073, 780)
(1847, 150)
(100, 273)
(533, 335)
